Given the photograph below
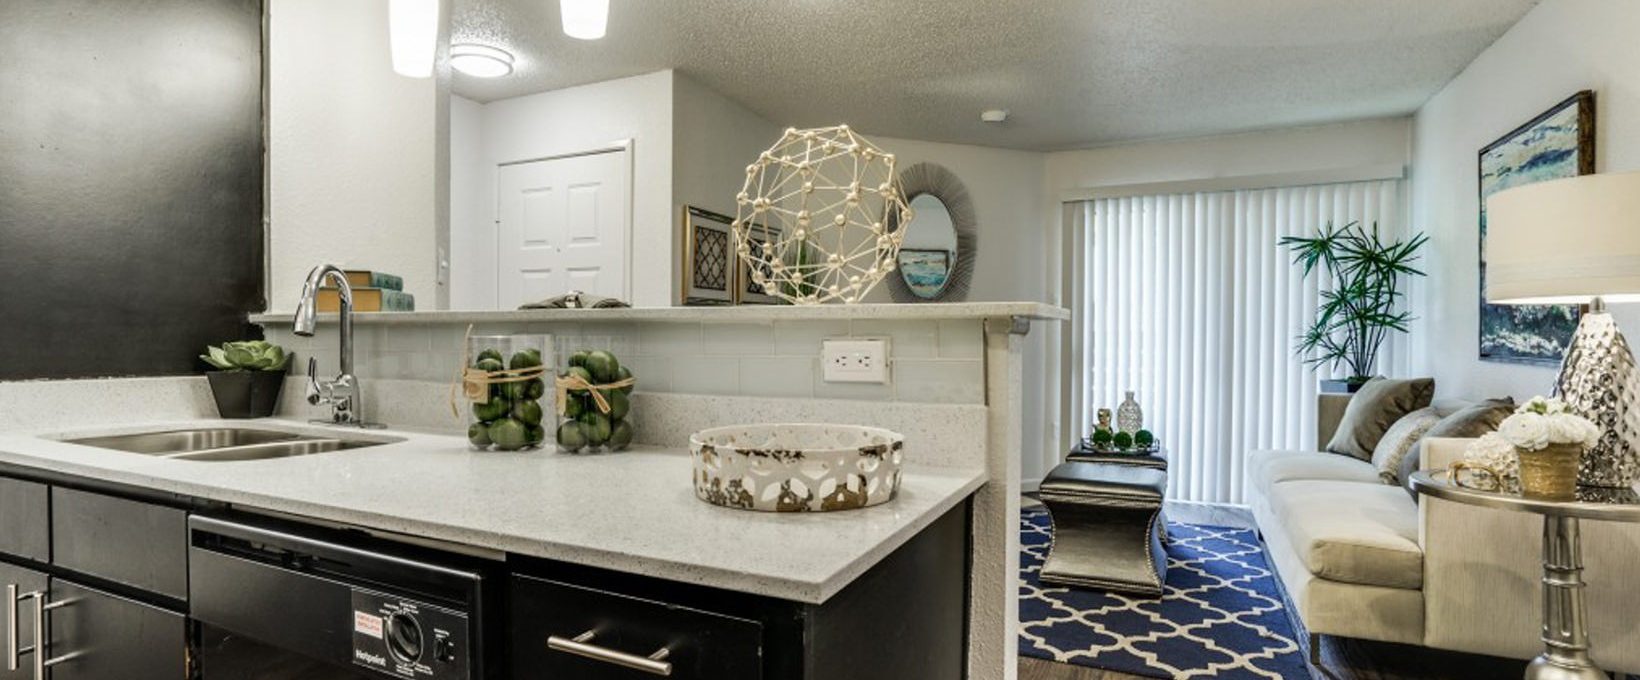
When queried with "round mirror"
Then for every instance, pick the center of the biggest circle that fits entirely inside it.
(937, 250)
(929, 248)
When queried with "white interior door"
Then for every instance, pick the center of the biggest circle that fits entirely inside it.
(561, 225)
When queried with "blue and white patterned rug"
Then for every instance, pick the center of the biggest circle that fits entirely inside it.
(1220, 614)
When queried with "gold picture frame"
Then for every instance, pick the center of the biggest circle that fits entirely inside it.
(709, 263)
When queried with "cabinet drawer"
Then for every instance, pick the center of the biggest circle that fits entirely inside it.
(136, 544)
(700, 645)
(26, 507)
(105, 637)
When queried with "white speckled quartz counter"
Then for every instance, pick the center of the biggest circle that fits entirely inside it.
(740, 314)
(633, 511)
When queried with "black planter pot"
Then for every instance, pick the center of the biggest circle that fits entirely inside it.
(246, 394)
(1341, 386)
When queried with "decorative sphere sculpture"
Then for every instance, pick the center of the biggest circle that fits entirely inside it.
(813, 222)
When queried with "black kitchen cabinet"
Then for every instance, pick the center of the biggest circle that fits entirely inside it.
(21, 581)
(567, 631)
(100, 636)
(129, 542)
(904, 618)
(26, 531)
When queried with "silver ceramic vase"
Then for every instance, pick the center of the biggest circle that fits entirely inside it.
(1598, 381)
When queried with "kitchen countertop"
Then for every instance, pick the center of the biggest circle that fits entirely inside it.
(633, 511)
(705, 314)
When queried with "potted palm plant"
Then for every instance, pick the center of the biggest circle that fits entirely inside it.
(1363, 306)
(249, 377)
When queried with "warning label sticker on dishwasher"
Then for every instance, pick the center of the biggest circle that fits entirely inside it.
(367, 624)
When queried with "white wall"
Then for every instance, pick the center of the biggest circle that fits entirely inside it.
(579, 119)
(353, 151)
(1559, 48)
(472, 219)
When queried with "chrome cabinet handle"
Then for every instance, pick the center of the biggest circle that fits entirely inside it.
(13, 650)
(580, 645)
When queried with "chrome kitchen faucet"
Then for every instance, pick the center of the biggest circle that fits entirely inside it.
(342, 393)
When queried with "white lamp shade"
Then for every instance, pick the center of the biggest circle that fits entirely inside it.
(1565, 241)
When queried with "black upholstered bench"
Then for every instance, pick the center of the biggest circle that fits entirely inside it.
(1107, 527)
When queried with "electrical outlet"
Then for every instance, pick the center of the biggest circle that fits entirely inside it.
(855, 361)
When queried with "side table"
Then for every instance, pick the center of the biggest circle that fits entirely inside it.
(1565, 619)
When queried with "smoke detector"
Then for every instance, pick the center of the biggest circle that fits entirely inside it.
(994, 115)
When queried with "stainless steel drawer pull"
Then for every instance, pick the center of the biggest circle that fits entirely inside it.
(580, 645)
(13, 650)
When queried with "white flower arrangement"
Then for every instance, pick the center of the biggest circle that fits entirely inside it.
(1541, 422)
(1495, 453)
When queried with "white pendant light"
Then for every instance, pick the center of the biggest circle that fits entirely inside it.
(480, 61)
(584, 19)
(413, 31)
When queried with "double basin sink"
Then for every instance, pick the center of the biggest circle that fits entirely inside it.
(223, 444)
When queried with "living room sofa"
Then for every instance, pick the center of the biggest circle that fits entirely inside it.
(1361, 559)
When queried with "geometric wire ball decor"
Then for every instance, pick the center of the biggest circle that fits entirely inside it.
(813, 220)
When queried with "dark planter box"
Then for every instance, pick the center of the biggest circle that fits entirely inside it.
(1340, 387)
(246, 394)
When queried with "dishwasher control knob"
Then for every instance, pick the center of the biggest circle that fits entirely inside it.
(404, 638)
(444, 650)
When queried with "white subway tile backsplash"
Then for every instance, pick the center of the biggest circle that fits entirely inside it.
(673, 340)
(706, 375)
(906, 338)
(737, 339)
(943, 381)
(777, 376)
(931, 362)
(961, 340)
(802, 338)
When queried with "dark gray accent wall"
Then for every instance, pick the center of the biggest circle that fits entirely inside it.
(130, 183)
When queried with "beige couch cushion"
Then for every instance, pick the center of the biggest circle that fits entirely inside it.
(1352, 532)
(1266, 468)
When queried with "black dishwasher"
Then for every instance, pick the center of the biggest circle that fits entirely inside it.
(284, 601)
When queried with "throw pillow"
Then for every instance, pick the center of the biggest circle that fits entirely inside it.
(1373, 409)
(1399, 439)
(1469, 422)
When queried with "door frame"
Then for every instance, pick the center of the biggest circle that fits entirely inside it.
(627, 145)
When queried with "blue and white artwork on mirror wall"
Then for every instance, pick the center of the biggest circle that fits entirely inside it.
(925, 271)
(1555, 145)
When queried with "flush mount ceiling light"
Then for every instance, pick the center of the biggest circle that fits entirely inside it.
(994, 115)
(480, 61)
(584, 19)
(413, 32)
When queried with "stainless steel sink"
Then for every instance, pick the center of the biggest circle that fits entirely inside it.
(223, 444)
(288, 449)
(183, 441)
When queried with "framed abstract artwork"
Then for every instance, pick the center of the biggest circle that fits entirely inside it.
(925, 272)
(749, 291)
(709, 260)
(1555, 145)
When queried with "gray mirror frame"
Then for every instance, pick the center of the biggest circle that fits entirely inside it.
(937, 181)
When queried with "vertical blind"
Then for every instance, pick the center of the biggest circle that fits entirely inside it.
(1188, 301)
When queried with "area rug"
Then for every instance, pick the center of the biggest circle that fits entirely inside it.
(1220, 614)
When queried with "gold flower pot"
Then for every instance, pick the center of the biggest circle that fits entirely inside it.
(1550, 472)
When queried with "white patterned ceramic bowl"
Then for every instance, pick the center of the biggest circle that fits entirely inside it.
(796, 467)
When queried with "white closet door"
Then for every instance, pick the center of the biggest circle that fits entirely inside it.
(562, 226)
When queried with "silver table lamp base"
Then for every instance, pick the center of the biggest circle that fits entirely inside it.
(1599, 381)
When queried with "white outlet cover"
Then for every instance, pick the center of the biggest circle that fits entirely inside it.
(854, 360)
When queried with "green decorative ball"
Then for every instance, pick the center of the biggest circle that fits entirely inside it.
(1144, 439)
(1123, 440)
(1101, 439)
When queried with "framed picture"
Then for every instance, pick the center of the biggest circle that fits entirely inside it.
(708, 258)
(750, 291)
(925, 272)
(1555, 145)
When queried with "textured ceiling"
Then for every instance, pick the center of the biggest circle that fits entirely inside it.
(1072, 73)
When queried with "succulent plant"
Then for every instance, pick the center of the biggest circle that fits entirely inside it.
(1144, 439)
(250, 355)
(1123, 441)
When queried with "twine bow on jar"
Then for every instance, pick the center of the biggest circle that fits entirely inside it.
(572, 382)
